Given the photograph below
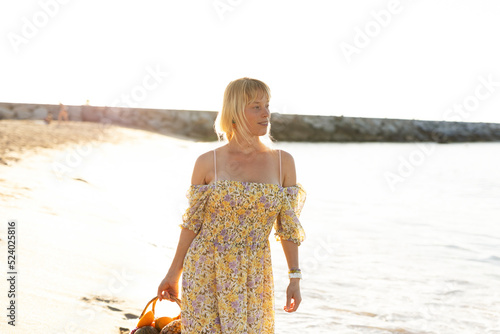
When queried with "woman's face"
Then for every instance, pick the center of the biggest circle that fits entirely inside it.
(258, 116)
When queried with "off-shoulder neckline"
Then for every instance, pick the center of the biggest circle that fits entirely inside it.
(244, 182)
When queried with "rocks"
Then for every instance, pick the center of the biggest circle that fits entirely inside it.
(92, 114)
(357, 129)
(23, 112)
(32, 111)
(6, 113)
(198, 125)
(39, 113)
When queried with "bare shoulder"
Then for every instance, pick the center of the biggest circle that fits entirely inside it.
(203, 168)
(288, 169)
(287, 159)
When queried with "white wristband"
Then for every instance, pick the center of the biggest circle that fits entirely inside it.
(295, 275)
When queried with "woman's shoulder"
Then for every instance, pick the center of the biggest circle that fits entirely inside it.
(286, 159)
(205, 158)
(203, 168)
(288, 169)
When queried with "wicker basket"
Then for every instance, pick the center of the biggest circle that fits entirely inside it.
(172, 328)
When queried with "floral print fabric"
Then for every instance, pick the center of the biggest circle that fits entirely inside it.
(227, 281)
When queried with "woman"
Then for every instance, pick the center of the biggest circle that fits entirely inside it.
(238, 193)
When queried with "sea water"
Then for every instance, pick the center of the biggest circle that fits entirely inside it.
(400, 238)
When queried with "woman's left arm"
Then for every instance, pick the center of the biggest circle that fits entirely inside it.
(293, 298)
(290, 248)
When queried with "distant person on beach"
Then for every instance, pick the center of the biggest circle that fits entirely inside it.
(239, 192)
(63, 113)
(48, 118)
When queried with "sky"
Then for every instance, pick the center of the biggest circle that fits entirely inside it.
(410, 59)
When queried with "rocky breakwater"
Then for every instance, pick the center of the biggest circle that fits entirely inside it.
(198, 125)
(358, 129)
(190, 124)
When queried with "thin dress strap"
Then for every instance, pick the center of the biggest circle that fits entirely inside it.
(215, 167)
(279, 152)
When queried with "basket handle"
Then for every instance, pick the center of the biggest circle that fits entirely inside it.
(153, 301)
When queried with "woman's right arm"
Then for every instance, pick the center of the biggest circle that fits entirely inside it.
(170, 284)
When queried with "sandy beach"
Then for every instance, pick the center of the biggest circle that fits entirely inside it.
(83, 265)
(21, 137)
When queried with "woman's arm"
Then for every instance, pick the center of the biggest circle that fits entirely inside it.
(170, 284)
(293, 297)
(288, 169)
(290, 248)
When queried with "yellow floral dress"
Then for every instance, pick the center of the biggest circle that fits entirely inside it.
(227, 281)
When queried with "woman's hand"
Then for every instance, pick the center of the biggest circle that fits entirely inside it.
(170, 284)
(168, 287)
(293, 298)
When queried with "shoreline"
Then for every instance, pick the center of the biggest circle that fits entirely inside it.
(85, 264)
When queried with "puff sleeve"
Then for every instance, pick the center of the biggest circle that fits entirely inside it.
(287, 225)
(193, 217)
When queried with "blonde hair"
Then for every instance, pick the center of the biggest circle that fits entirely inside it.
(238, 94)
